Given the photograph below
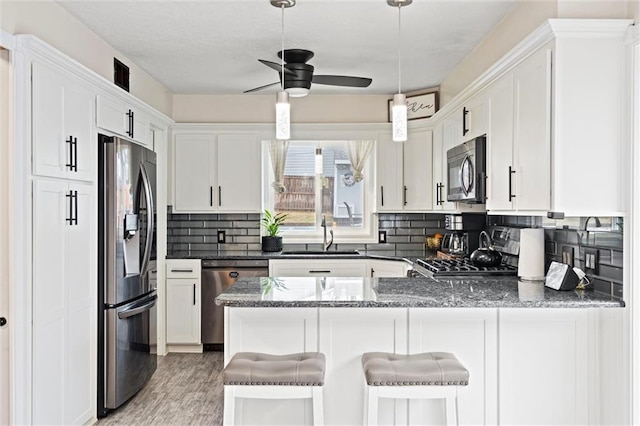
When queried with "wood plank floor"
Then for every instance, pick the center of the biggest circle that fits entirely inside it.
(186, 389)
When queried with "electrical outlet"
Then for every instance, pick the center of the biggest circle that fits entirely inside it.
(382, 236)
(591, 261)
(222, 238)
(567, 255)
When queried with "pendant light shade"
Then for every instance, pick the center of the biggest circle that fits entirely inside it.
(283, 116)
(399, 117)
(399, 108)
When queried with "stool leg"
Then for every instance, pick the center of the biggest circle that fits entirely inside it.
(450, 411)
(318, 406)
(365, 405)
(372, 403)
(229, 406)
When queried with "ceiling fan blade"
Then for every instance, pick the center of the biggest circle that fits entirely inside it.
(341, 80)
(277, 67)
(255, 89)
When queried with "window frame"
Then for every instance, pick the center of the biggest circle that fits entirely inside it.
(368, 233)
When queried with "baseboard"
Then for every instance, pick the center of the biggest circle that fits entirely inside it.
(195, 349)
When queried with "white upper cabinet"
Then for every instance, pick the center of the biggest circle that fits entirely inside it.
(404, 172)
(123, 119)
(556, 126)
(217, 172)
(64, 140)
(518, 159)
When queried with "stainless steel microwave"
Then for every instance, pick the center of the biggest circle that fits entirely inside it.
(466, 171)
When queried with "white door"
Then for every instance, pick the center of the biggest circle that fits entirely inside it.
(239, 185)
(418, 170)
(389, 174)
(5, 274)
(194, 159)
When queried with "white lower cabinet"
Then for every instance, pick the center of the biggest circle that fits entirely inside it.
(318, 267)
(387, 268)
(471, 335)
(183, 302)
(545, 367)
(64, 302)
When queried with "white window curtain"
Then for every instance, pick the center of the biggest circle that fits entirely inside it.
(278, 153)
(358, 152)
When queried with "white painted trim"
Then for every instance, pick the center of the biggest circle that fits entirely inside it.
(7, 40)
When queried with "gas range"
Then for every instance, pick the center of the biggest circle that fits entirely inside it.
(460, 267)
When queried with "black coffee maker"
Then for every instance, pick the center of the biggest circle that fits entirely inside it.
(464, 233)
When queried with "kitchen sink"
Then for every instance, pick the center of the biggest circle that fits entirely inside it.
(321, 253)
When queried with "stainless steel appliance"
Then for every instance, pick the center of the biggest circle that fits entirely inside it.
(465, 231)
(217, 276)
(466, 171)
(126, 294)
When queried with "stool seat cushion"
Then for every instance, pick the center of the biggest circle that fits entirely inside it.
(425, 369)
(254, 369)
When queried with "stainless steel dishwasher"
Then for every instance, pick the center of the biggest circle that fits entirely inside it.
(217, 276)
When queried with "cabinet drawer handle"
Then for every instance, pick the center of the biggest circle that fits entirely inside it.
(320, 272)
(182, 270)
(465, 130)
(194, 294)
(511, 172)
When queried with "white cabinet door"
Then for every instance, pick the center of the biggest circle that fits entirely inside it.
(64, 303)
(120, 118)
(318, 267)
(387, 268)
(440, 170)
(475, 119)
(238, 173)
(418, 152)
(389, 166)
(183, 311)
(194, 160)
(64, 141)
(544, 362)
(532, 136)
(500, 189)
(471, 335)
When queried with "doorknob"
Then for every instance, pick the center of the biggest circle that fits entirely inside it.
(3, 321)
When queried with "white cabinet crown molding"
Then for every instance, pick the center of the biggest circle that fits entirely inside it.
(33, 46)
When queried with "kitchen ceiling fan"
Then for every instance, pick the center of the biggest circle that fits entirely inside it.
(298, 75)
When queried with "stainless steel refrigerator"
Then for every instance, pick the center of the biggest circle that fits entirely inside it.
(127, 252)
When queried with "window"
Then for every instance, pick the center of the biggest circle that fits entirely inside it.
(319, 181)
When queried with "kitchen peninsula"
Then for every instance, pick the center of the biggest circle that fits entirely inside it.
(527, 347)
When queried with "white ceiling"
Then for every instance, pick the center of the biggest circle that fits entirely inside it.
(213, 46)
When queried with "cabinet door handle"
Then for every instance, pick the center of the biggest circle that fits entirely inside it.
(73, 154)
(194, 294)
(441, 196)
(404, 196)
(211, 196)
(132, 121)
(372, 272)
(511, 172)
(438, 194)
(130, 131)
(219, 196)
(465, 130)
(382, 195)
(182, 270)
(75, 207)
(319, 272)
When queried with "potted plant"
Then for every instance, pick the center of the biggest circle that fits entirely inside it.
(271, 223)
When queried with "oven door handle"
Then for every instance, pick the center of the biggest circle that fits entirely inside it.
(466, 189)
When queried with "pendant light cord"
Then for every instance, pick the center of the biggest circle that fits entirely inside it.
(399, 49)
(282, 51)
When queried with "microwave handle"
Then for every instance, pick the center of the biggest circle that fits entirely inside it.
(466, 189)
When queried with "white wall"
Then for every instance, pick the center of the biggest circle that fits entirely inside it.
(261, 109)
(53, 24)
(522, 20)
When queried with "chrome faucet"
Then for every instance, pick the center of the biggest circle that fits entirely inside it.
(325, 245)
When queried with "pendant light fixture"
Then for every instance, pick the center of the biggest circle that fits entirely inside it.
(283, 108)
(399, 108)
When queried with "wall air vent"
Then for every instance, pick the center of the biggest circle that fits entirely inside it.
(120, 74)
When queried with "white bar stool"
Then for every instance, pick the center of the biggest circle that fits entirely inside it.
(430, 375)
(265, 376)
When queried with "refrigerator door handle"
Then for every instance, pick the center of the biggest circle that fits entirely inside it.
(150, 220)
(137, 310)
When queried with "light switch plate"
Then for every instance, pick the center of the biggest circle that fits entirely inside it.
(591, 261)
(567, 255)
(382, 236)
(222, 237)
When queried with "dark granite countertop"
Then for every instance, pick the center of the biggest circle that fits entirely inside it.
(490, 292)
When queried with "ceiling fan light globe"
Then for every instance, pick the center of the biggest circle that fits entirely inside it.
(297, 92)
(283, 116)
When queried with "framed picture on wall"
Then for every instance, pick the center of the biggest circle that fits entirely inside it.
(423, 105)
